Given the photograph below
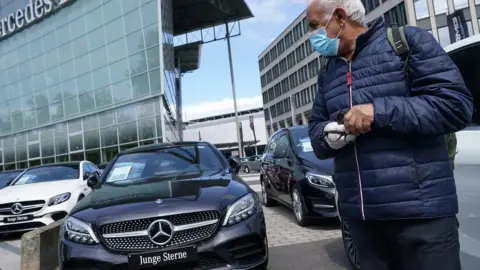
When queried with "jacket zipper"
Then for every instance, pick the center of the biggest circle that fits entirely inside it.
(359, 177)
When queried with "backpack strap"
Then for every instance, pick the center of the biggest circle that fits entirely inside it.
(396, 38)
(398, 41)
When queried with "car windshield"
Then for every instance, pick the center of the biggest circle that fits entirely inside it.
(301, 140)
(48, 174)
(167, 162)
(6, 177)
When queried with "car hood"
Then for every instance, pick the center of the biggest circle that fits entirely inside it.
(36, 191)
(309, 159)
(116, 202)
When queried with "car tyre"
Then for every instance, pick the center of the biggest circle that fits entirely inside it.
(349, 245)
(246, 169)
(266, 200)
(299, 209)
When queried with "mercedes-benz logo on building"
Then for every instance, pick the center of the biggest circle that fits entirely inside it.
(160, 232)
(17, 208)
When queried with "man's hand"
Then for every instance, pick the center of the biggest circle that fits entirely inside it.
(359, 119)
(336, 136)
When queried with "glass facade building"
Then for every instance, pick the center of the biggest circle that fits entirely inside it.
(90, 79)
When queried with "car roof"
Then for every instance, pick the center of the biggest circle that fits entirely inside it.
(69, 163)
(462, 43)
(159, 146)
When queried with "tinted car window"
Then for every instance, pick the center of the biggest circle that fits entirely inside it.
(48, 174)
(271, 144)
(6, 177)
(301, 140)
(172, 161)
(281, 146)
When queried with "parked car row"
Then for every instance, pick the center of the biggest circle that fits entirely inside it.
(180, 205)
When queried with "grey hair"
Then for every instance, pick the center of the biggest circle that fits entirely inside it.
(354, 8)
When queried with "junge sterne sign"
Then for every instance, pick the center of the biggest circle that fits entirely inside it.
(32, 12)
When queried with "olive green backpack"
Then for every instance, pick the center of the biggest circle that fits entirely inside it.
(397, 39)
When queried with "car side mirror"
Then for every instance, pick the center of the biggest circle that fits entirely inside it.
(87, 175)
(93, 180)
(234, 164)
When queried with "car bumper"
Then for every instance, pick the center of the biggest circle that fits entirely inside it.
(320, 201)
(43, 217)
(241, 246)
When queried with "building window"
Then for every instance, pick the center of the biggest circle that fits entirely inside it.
(396, 15)
(443, 36)
(265, 97)
(370, 5)
(309, 48)
(460, 4)
(421, 9)
(285, 85)
(440, 6)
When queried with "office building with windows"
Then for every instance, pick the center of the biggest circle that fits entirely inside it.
(289, 67)
(86, 79)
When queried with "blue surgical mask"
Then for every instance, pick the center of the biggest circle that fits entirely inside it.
(322, 43)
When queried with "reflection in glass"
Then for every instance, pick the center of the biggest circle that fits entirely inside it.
(47, 148)
(61, 145)
(109, 153)
(109, 136)
(34, 151)
(92, 139)
(21, 153)
(146, 128)
(93, 156)
(440, 6)
(76, 143)
(48, 160)
(128, 132)
(421, 9)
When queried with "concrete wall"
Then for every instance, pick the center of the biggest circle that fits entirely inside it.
(40, 248)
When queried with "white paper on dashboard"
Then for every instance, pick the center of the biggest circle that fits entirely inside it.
(120, 173)
(307, 146)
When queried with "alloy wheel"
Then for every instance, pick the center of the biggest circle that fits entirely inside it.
(246, 169)
(349, 245)
(297, 205)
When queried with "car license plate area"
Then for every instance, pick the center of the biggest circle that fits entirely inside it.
(17, 219)
(183, 255)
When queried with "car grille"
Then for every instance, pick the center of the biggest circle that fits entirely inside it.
(132, 235)
(28, 207)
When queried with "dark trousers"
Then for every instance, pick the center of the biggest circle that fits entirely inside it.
(414, 244)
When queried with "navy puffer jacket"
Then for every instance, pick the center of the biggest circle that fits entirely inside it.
(401, 168)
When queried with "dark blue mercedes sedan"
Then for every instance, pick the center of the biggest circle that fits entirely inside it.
(168, 206)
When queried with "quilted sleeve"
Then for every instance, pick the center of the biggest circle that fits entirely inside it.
(317, 123)
(439, 103)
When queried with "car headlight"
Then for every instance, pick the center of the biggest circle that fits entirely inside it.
(242, 209)
(79, 231)
(59, 199)
(321, 180)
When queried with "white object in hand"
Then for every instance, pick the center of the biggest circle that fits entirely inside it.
(336, 140)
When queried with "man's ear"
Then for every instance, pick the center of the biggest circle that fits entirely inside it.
(340, 15)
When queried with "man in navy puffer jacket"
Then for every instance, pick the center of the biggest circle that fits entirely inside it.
(392, 171)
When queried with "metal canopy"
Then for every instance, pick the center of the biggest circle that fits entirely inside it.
(193, 15)
(188, 56)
